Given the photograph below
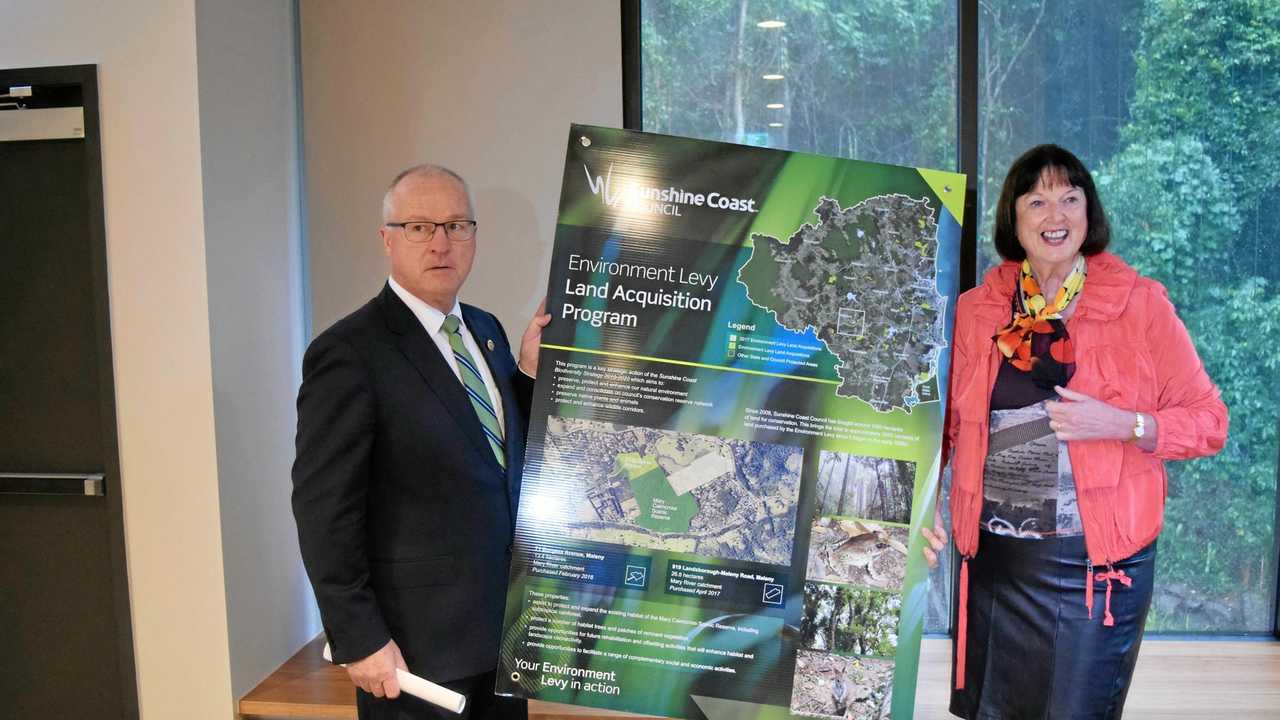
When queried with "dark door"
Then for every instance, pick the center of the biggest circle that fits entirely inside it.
(66, 650)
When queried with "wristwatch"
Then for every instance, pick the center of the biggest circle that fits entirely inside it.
(1139, 426)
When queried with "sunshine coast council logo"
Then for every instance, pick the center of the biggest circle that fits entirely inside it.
(634, 196)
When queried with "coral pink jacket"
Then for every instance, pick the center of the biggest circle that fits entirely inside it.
(1131, 351)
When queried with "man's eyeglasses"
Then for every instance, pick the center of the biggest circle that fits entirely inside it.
(420, 231)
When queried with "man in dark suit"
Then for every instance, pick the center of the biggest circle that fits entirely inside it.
(411, 428)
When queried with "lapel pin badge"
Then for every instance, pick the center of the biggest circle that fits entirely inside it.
(489, 344)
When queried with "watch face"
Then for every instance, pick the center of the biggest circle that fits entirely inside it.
(1139, 427)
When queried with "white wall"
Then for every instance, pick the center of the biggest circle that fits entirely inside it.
(250, 156)
(487, 88)
(146, 51)
(207, 295)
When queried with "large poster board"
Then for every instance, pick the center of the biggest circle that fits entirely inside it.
(735, 434)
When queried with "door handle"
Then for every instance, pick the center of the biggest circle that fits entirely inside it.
(52, 484)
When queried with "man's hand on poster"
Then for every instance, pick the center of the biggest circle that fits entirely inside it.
(935, 539)
(532, 339)
(376, 674)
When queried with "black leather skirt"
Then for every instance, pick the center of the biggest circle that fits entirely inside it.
(1033, 651)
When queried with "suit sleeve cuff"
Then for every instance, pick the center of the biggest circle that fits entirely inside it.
(348, 647)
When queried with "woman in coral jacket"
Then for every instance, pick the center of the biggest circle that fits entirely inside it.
(1072, 381)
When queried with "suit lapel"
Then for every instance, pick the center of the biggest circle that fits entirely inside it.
(424, 355)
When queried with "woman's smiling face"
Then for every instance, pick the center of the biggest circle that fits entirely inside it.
(1052, 220)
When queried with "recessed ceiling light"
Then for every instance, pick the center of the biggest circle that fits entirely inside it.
(770, 24)
(771, 76)
(775, 106)
(775, 124)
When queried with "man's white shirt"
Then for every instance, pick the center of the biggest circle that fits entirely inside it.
(432, 321)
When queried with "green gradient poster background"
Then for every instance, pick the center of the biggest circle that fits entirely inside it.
(735, 433)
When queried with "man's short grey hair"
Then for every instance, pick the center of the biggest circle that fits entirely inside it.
(425, 170)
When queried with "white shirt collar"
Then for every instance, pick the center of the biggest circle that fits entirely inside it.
(429, 316)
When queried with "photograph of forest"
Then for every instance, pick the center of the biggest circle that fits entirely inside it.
(850, 621)
(861, 486)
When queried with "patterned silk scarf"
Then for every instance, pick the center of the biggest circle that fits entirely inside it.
(1014, 339)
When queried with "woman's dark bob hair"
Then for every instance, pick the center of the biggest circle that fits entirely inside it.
(1050, 162)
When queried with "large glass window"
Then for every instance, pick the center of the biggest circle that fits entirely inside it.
(869, 80)
(1175, 106)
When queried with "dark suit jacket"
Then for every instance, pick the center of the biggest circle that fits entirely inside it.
(404, 517)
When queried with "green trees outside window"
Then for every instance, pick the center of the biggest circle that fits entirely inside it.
(1175, 104)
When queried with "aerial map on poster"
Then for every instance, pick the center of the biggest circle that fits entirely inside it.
(735, 432)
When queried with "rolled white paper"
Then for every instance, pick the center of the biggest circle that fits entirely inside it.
(422, 689)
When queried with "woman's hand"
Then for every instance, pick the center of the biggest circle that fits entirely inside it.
(1080, 417)
(935, 539)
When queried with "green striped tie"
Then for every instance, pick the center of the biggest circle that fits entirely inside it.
(476, 390)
